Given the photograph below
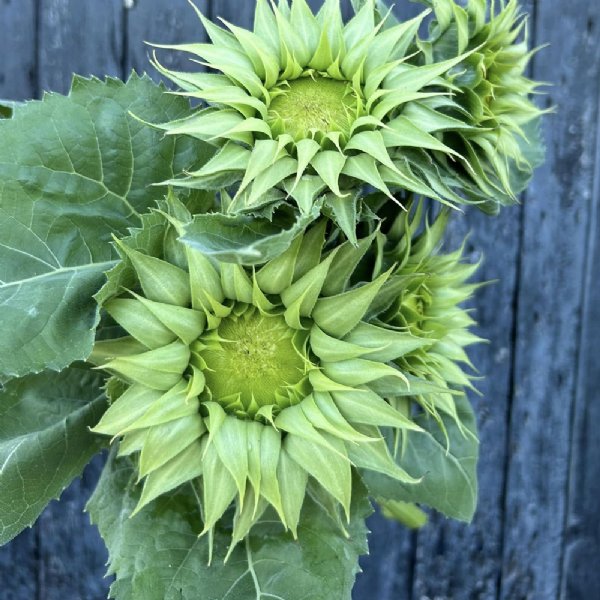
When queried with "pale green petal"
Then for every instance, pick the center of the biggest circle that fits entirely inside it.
(218, 486)
(357, 372)
(345, 213)
(186, 466)
(327, 466)
(364, 167)
(270, 450)
(104, 350)
(338, 315)
(331, 349)
(236, 283)
(265, 25)
(277, 274)
(305, 24)
(303, 294)
(165, 442)
(266, 64)
(321, 411)
(160, 280)
(231, 160)
(158, 369)
(368, 408)
(371, 143)
(129, 407)
(376, 457)
(292, 480)
(309, 255)
(329, 164)
(171, 406)
(384, 344)
(187, 324)
(231, 444)
(138, 321)
(392, 43)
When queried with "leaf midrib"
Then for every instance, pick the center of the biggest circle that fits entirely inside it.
(103, 265)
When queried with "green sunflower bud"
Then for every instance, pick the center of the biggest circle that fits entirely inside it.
(503, 145)
(262, 386)
(318, 109)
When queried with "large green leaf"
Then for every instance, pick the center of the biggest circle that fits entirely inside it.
(449, 472)
(45, 441)
(245, 239)
(74, 170)
(157, 555)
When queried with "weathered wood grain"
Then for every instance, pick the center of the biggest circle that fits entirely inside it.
(81, 37)
(17, 49)
(582, 536)
(162, 22)
(72, 555)
(388, 569)
(239, 13)
(549, 307)
(19, 567)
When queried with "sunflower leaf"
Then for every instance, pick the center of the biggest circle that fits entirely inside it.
(45, 441)
(449, 471)
(74, 170)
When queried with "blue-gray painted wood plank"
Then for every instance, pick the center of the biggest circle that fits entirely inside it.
(238, 13)
(159, 22)
(582, 535)
(71, 553)
(388, 568)
(552, 278)
(17, 49)
(79, 36)
(19, 566)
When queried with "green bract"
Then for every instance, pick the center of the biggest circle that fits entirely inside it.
(254, 381)
(305, 107)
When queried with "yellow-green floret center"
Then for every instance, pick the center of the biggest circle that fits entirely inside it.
(253, 360)
(313, 104)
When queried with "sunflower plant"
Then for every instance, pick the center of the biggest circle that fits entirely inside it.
(239, 290)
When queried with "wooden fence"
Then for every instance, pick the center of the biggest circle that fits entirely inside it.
(537, 532)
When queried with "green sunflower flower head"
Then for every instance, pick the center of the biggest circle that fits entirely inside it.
(493, 93)
(262, 386)
(305, 107)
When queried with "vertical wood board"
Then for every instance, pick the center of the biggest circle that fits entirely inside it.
(18, 25)
(159, 22)
(79, 36)
(582, 535)
(549, 305)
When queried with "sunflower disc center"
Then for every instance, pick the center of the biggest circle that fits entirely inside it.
(252, 360)
(308, 105)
